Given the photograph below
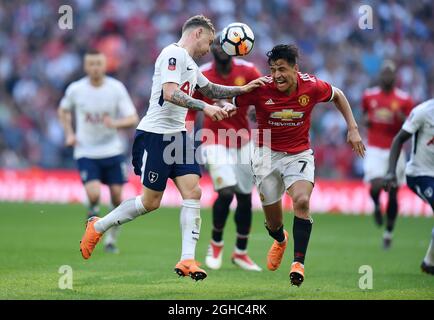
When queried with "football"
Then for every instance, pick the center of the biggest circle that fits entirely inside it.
(237, 39)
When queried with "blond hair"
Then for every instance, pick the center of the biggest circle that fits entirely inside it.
(198, 21)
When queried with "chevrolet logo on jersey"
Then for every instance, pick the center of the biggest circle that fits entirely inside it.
(287, 115)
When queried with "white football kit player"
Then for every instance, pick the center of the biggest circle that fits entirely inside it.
(90, 104)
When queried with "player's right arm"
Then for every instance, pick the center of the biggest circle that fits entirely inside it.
(65, 117)
(173, 94)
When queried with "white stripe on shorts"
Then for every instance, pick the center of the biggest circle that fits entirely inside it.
(144, 158)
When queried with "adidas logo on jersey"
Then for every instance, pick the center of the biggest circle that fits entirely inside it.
(269, 101)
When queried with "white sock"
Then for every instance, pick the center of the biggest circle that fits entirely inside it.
(429, 257)
(127, 211)
(387, 235)
(190, 227)
(111, 236)
(239, 251)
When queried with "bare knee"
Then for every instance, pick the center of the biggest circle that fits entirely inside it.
(194, 193)
(93, 198)
(151, 204)
(301, 205)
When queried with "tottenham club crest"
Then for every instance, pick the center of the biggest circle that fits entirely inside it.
(428, 192)
(152, 176)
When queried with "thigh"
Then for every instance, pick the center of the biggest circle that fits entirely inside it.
(423, 186)
(114, 170)
(267, 177)
(184, 158)
(188, 186)
(217, 162)
(90, 170)
(300, 167)
(375, 163)
(148, 160)
(243, 171)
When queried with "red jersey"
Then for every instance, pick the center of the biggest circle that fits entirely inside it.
(242, 72)
(287, 117)
(386, 113)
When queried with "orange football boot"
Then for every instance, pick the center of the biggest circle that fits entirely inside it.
(275, 254)
(190, 267)
(297, 274)
(90, 238)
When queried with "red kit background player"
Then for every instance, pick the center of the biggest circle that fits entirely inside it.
(385, 109)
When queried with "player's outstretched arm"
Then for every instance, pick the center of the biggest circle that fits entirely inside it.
(217, 91)
(65, 118)
(353, 136)
(390, 178)
(172, 93)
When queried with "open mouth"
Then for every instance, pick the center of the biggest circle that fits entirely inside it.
(280, 82)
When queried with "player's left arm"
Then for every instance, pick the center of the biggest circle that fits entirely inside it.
(217, 91)
(353, 137)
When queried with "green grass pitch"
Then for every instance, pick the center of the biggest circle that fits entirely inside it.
(36, 239)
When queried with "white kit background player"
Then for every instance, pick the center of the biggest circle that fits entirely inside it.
(420, 169)
(101, 106)
(162, 149)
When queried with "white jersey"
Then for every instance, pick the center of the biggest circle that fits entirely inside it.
(90, 104)
(174, 64)
(421, 124)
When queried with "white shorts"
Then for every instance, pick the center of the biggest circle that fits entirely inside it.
(229, 167)
(275, 172)
(376, 163)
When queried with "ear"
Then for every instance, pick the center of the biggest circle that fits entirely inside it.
(296, 67)
(199, 32)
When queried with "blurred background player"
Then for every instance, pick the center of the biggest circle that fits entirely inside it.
(161, 148)
(385, 108)
(227, 155)
(420, 169)
(101, 105)
(286, 162)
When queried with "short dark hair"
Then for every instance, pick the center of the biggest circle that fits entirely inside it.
(198, 21)
(287, 52)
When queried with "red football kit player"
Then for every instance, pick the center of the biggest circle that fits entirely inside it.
(226, 150)
(283, 160)
(385, 108)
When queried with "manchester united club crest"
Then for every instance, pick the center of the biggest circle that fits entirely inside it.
(152, 176)
(240, 81)
(303, 100)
